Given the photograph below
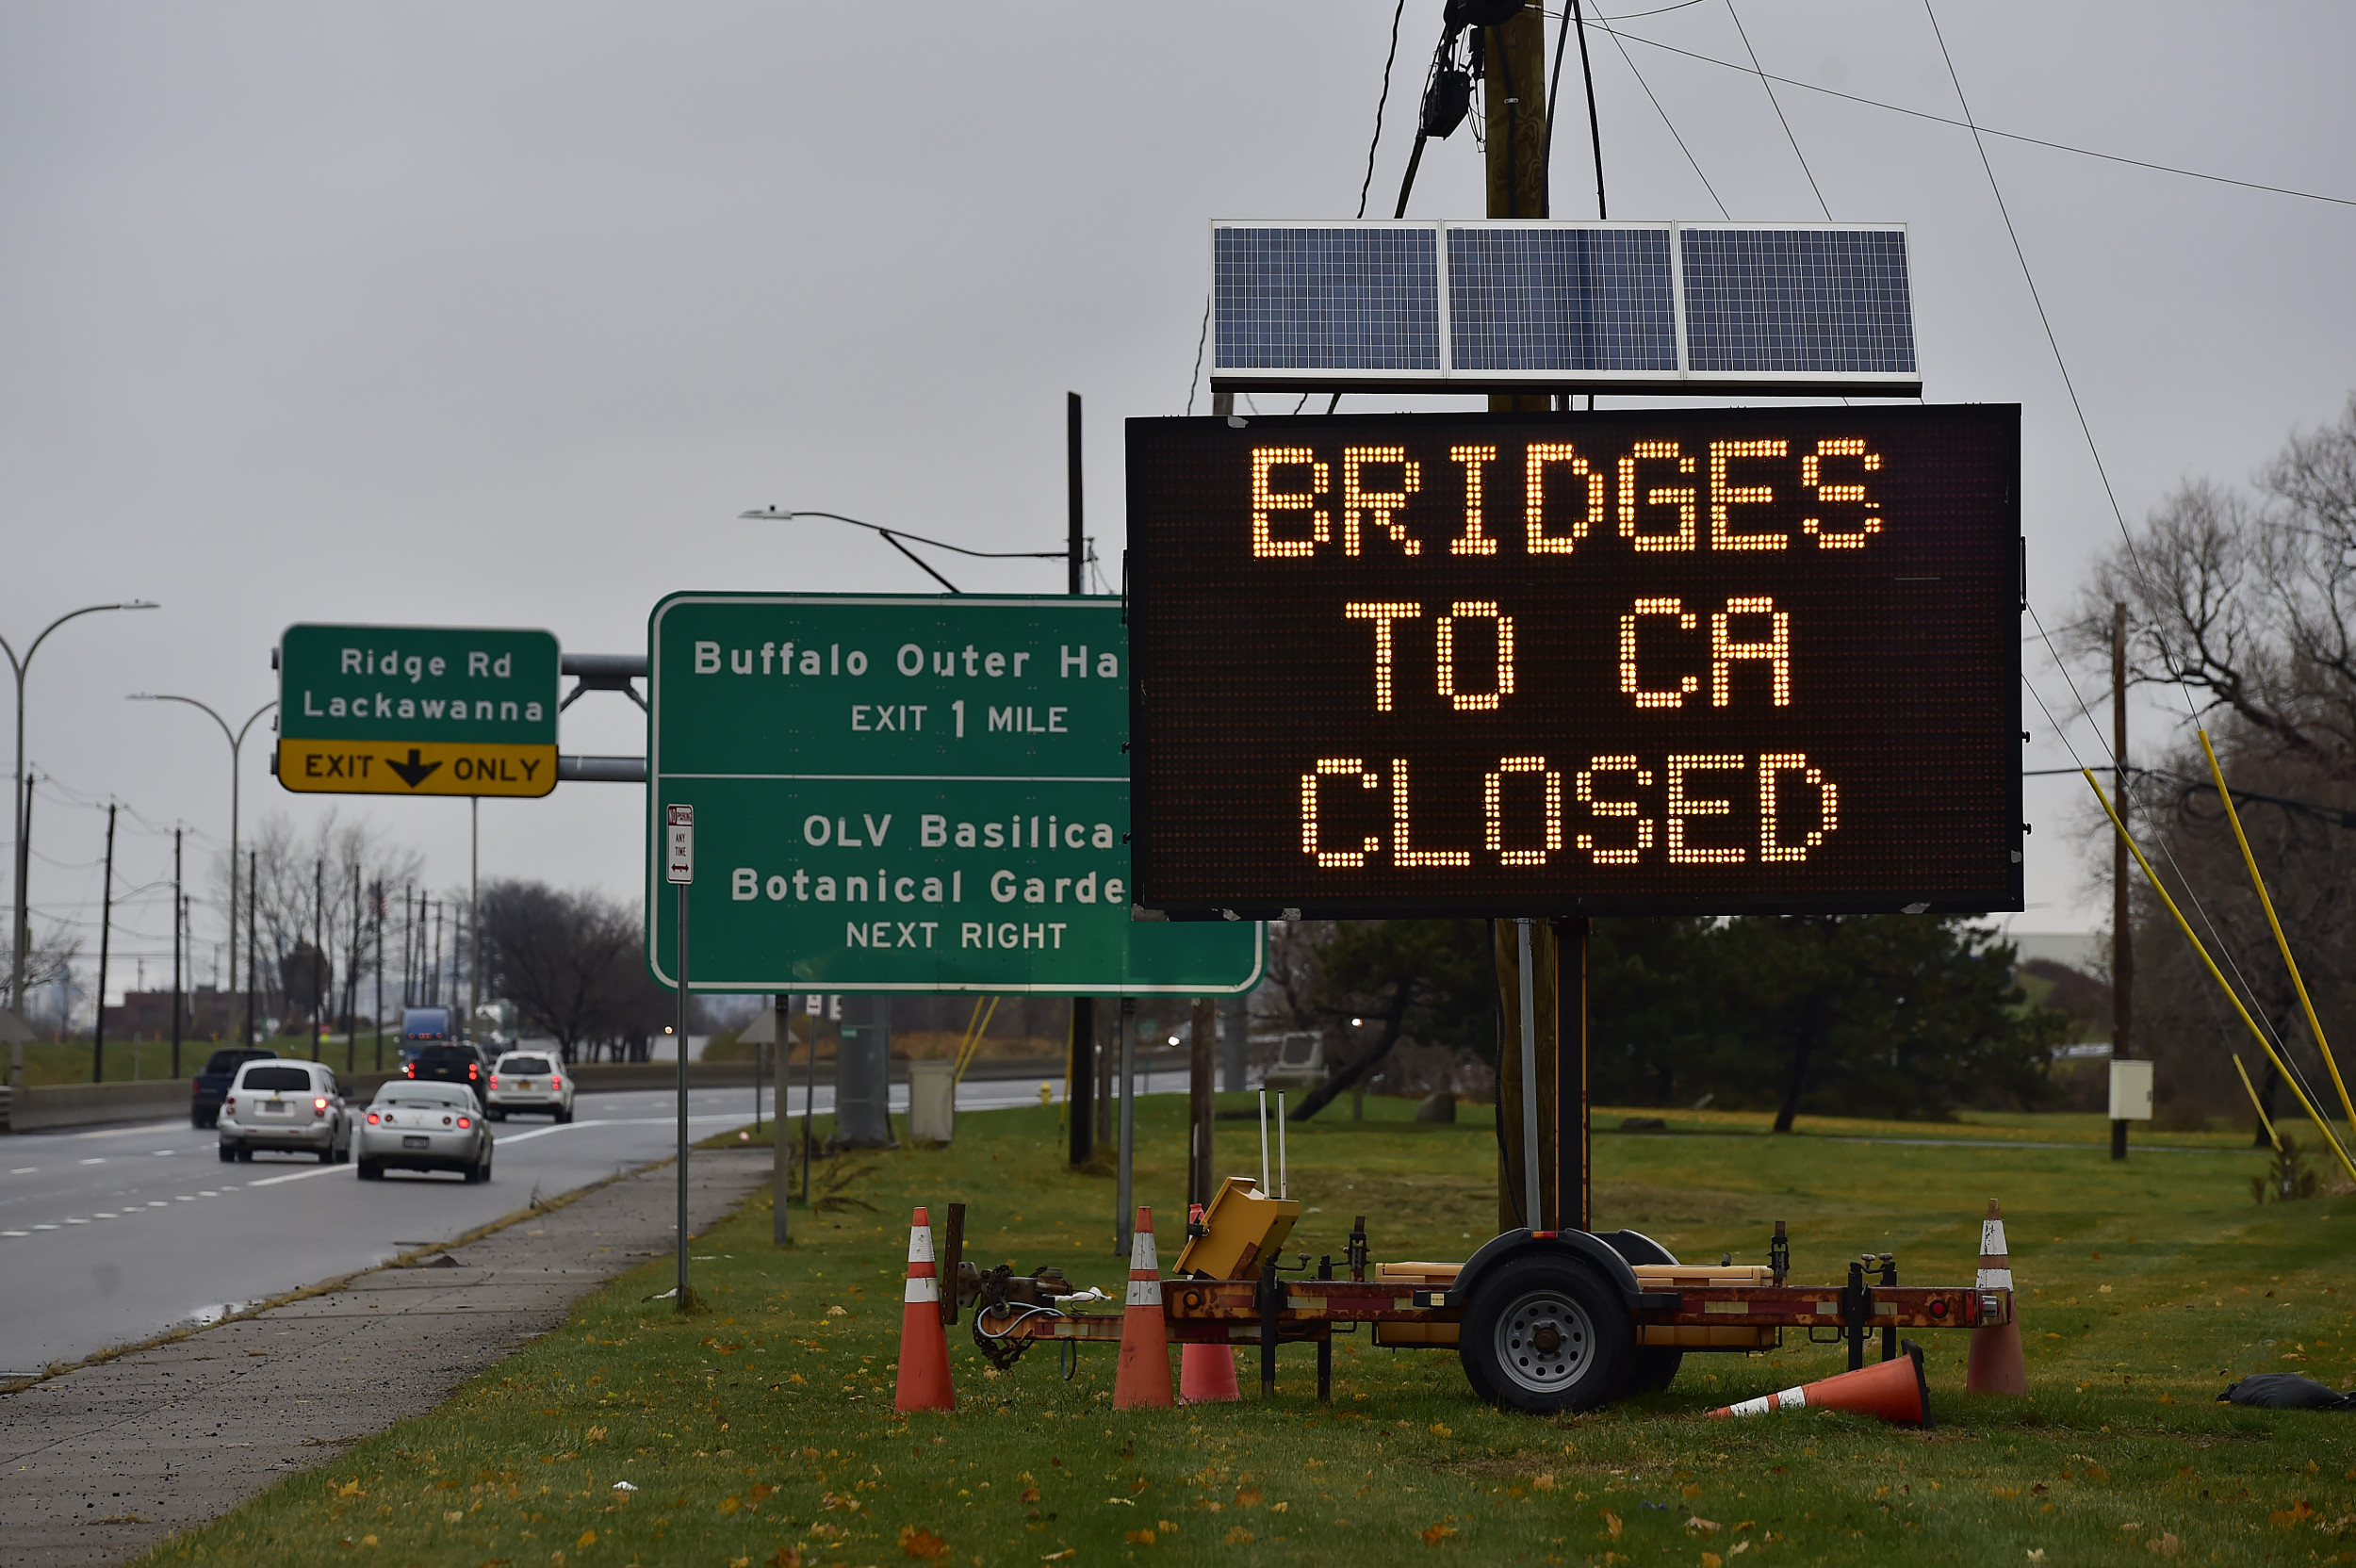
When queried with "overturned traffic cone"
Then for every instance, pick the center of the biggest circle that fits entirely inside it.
(1887, 1391)
(1996, 1366)
(924, 1345)
(1206, 1373)
(1144, 1375)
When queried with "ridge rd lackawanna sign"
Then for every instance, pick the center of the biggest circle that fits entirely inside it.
(919, 794)
(417, 711)
(1705, 661)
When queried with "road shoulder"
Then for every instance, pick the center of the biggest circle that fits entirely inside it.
(108, 1459)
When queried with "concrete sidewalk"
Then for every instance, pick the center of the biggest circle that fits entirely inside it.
(102, 1462)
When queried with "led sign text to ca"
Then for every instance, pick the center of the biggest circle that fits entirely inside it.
(1670, 652)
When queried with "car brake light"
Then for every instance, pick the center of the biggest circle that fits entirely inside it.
(319, 1104)
(410, 1070)
(495, 1080)
(372, 1119)
(556, 1082)
(229, 1106)
(474, 1070)
(462, 1121)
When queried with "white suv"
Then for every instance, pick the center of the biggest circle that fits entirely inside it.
(529, 1081)
(294, 1107)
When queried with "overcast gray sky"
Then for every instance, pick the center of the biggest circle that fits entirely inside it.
(501, 314)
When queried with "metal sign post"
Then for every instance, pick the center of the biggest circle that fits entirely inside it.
(680, 870)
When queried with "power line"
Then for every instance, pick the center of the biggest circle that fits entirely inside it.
(1665, 119)
(1380, 104)
(1605, 22)
(1761, 71)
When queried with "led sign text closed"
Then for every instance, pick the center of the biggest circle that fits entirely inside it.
(1723, 662)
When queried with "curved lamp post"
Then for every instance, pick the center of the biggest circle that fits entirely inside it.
(19, 824)
(236, 744)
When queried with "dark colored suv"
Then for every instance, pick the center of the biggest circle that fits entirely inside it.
(210, 1086)
(453, 1064)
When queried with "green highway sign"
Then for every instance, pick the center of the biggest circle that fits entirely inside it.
(924, 793)
(417, 711)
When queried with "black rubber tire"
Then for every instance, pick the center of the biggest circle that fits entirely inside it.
(327, 1155)
(228, 1153)
(372, 1171)
(245, 1156)
(343, 1151)
(1656, 1368)
(1596, 1348)
(564, 1117)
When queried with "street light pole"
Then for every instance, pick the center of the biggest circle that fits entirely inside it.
(20, 814)
(236, 744)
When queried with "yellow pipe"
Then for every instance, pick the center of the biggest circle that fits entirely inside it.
(2186, 926)
(2264, 1120)
(973, 1039)
(2298, 983)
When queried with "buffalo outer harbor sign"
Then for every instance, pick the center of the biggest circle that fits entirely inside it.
(417, 711)
(919, 794)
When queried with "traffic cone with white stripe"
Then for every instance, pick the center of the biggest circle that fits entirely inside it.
(1887, 1391)
(1996, 1365)
(924, 1344)
(1144, 1375)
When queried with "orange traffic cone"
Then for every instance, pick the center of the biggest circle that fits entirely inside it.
(924, 1345)
(1144, 1375)
(1996, 1365)
(1206, 1373)
(1889, 1391)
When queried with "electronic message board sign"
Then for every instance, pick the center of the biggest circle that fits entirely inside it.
(417, 711)
(1714, 661)
(920, 792)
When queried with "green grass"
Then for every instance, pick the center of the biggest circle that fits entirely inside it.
(763, 1428)
(127, 1061)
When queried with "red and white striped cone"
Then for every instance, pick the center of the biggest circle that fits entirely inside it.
(1144, 1375)
(923, 1344)
(1893, 1390)
(1996, 1365)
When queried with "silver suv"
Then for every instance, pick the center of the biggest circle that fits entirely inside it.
(291, 1106)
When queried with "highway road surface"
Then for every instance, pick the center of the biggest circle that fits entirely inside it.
(110, 1235)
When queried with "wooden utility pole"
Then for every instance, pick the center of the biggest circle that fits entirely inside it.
(106, 931)
(2122, 924)
(1514, 107)
(176, 925)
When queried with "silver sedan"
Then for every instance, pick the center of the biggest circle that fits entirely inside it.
(424, 1126)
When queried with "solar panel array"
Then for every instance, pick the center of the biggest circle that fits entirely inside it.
(1703, 308)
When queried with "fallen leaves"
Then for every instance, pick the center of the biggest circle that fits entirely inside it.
(786, 1557)
(1700, 1526)
(1237, 1536)
(1611, 1526)
(2292, 1517)
(595, 1434)
(588, 1538)
(1437, 1533)
(1139, 1538)
(2166, 1545)
(921, 1543)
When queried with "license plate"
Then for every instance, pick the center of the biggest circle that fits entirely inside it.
(273, 1104)
(412, 1141)
(523, 1083)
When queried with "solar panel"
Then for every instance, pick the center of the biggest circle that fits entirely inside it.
(1792, 300)
(1490, 306)
(1548, 298)
(1328, 298)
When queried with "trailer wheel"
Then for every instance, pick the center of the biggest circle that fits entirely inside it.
(1656, 1368)
(1544, 1333)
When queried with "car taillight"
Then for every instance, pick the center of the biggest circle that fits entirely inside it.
(495, 1080)
(372, 1119)
(229, 1106)
(464, 1121)
(556, 1082)
(410, 1070)
(319, 1104)
(474, 1070)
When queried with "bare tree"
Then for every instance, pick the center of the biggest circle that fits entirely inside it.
(568, 961)
(2247, 598)
(290, 867)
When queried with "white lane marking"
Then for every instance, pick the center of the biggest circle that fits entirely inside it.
(206, 1192)
(182, 1198)
(99, 1159)
(15, 1233)
(108, 1214)
(70, 1220)
(24, 1170)
(295, 1176)
(615, 1121)
(165, 1153)
(44, 1227)
(157, 1203)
